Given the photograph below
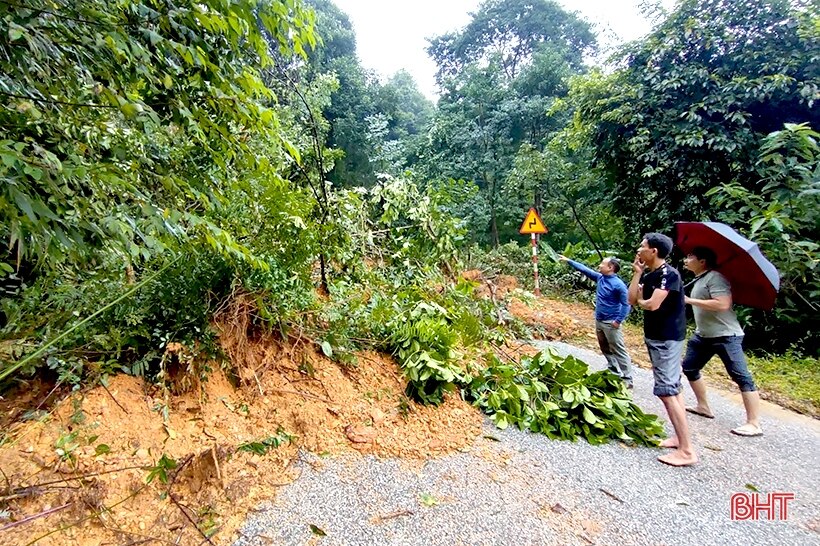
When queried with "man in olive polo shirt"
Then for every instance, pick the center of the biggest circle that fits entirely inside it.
(717, 333)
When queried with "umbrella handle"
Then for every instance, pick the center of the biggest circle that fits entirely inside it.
(693, 281)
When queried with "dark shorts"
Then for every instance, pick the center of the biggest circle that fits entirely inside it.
(665, 358)
(700, 350)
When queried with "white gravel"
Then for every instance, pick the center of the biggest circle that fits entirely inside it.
(506, 492)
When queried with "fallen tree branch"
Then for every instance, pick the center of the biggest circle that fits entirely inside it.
(66, 478)
(611, 495)
(114, 399)
(505, 353)
(392, 515)
(207, 538)
(142, 538)
(8, 482)
(140, 541)
(189, 518)
(94, 513)
(29, 492)
(35, 516)
(179, 505)
(216, 464)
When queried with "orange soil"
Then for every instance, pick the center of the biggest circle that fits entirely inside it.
(327, 408)
(547, 318)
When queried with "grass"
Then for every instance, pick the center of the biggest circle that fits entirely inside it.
(790, 380)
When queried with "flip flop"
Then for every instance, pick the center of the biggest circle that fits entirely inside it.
(748, 431)
(696, 411)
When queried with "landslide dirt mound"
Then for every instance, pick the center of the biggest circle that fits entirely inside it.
(79, 474)
(547, 319)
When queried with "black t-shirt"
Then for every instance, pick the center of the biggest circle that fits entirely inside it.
(668, 322)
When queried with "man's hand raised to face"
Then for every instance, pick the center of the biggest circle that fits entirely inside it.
(638, 266)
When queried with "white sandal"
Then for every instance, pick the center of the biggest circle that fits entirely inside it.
(748, 430)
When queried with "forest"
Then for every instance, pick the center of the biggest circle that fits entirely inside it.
(212, 212)
(163, 160)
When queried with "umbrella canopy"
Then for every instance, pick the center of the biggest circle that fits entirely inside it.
(755, 281)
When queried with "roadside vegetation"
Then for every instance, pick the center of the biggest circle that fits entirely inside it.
(191, 187)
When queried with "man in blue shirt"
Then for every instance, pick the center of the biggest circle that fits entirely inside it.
(611, 308)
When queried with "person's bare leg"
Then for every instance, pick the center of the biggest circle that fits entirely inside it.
(684, 454)
(751, 401)
(699, 388)
(672, 441)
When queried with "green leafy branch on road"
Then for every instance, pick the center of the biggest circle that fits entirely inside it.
(546, 393)
(557, 396)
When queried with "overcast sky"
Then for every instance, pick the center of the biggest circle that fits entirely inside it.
(391, 34)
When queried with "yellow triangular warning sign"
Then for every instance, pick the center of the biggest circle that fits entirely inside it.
(532, 224)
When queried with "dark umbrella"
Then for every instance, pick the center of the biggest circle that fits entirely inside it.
(755, 281)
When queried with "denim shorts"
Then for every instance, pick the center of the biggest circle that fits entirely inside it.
(666, 365)
(700, 350)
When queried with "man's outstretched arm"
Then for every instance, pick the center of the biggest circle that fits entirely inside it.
(594, 275)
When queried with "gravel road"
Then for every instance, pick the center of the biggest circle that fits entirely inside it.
(514, 487)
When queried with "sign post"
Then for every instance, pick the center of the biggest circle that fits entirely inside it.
(533, 226)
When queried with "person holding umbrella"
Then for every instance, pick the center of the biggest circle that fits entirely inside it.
(729, 269)
(717, 333)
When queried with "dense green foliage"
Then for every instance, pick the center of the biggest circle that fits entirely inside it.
(559, 397)
(693, 101)
(512, 33)
(426, 348)
(783, 216)
(239, 150)
(138, 130)
(125, 121)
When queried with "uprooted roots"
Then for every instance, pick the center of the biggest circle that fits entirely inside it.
(234, 322)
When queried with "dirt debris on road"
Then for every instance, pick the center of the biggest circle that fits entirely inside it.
(81, 467)
(91, 455)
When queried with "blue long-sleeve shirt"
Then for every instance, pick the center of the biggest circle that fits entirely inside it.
(610, 295)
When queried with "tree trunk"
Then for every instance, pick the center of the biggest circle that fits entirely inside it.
(494, 228)
(493, 218)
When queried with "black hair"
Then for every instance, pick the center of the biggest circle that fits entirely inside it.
(659, 242)
(706, 254)
(616, 263)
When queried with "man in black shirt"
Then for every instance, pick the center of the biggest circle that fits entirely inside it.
(657, 288)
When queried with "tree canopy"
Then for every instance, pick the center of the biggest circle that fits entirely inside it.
(692, 102)
(124, 121)
(511, 32)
